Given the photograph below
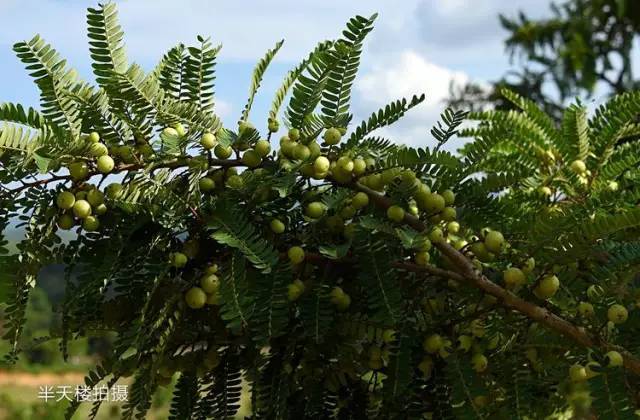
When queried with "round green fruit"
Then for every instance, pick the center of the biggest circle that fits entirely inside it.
(301, 152)
(345, 164)
(100, 209)
(222, 152)
(449, 197)
(296, 254)
(78, 171)
(98, 149)
(479, 362)
(449, 214)
(180, 129)
(196, 298)
(210, 283)
(433, 203)
(105, 164)
(113, 191)
(453, 227)
(548, 287)
(614, 359)
(433, 343)
(426, 366)
(315, 210)
(273, 125)
(213, 299)
(277, 226)
(178, 259)
(235, 182)
(212, 269)
(65, 200)
(65, 222)
(208, 141)
(294, 134)
(321, 164)
(295, 290)
(577, 373)
(578, 167)
(95, 197)
(262, 148)
(206, 184)
(251, 158)
(170, 132)
(422, 258)
(617, 314)
(494, 241)
(359, 166)
(513, 277)
(91, 224)
(529, 265)
(94, 137)
(585, 309)
(436, 235)
(332, 136)
(395, 213)
(82, 209)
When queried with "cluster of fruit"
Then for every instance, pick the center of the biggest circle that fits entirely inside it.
(81, 207)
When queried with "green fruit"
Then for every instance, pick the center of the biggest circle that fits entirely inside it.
(348, 212)
(65, 222)
(432, 203)
(196, 298)
(332, 136)
(433, 343)
(449, 214)
(170, 132)
(98, 149)
(113, 191)
(100, 209)
(212, 269)
(251, 158)
(465, 342)
(613, 186)
(426, 366)
(345, 164)
(494, 241)
(294, 134)
(617, 314)
(422, 258)
(222, 152)
(81, 195)
(395, 213)
(513, 277)
(65, 200)
(277, 226)
(577, 373)
(614, 359)
(287, 147)
(208, 141)
(585, 309)
(315, 149)
(479, 362)
(235, 182)
(262, 148)
(178, 259)
(449, 197)
(578, 167)
(548, 287)
(436, 235)
(545, 191)
(78, 171)
(95, 197)
(359, 166)
(529, 265)
(360, 200)
(105, 164)
(422, 243)
(296, 254)
(273, 125)
(295, 290)
(210, 283)
(180, 129)
(480, 250)
(301, 152)
(321, 164)
(91, 224)
(477, 328)
(82, 209)
(315, 210)
(453, 227)
(94, 137)
(206, 184)
(388, 336)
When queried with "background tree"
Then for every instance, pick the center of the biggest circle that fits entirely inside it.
(343, 276)
(586, 46)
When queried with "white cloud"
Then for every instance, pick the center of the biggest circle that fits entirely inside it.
(404, 75)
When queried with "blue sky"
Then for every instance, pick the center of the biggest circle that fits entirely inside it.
(417, 46)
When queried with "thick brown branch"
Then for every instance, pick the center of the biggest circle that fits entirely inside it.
(468, 275)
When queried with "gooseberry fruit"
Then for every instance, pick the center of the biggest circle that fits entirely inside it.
(98, 149)
(433, 343)
(178, 259)
(210, 283)
(262, 148)
(513, 277)
(296, 254)
(105, 164)
(81, 209)
(578, 167)
(277, 226)
(614, 359)
(208, 141)
(617, 314)
(196, 298)
(94, 137)
(78, 170)
(315, 210)
(222, 152)
(65, 200)
(332, 136)
(479, 362)
(251, 158)
(547, 287)
(206, 184)
(91, 224)
(395, 213)
(65, 222)
(494, 241)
